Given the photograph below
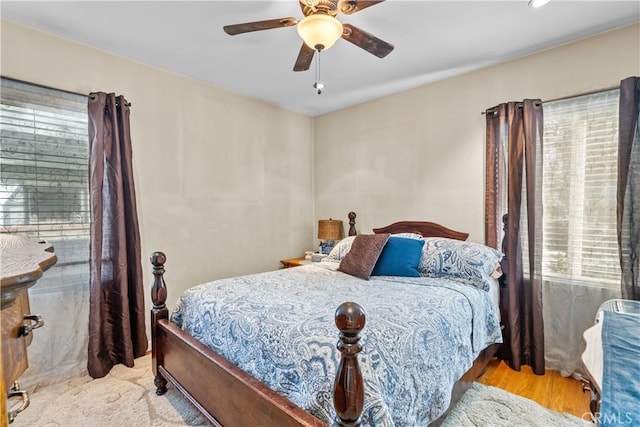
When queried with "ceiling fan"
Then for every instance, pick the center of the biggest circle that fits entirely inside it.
(320, 29)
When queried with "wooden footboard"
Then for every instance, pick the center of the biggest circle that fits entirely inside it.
(228, 396)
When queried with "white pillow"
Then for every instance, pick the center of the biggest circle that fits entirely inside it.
(416, 236)
(340, 250)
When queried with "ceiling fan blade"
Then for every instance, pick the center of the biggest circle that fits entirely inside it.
(304, 58)
(248, 27)
(366, 41)
(349, 7)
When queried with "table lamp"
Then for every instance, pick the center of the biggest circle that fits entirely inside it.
(329, 230)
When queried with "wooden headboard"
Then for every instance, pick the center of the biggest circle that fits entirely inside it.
(427, 229)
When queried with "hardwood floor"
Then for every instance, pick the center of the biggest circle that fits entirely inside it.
(551, 390)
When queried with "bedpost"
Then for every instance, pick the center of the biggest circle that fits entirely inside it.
(158, 312)
(352, 224)
(348, 389)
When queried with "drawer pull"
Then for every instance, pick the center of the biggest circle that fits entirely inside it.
(14, 392)
(26, 329)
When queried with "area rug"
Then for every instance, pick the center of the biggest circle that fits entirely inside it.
(483, 405)
(126, 397)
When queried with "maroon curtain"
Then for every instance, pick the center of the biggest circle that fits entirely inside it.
(514, 156)
(495, 194)
(116, 317)
(628, 203)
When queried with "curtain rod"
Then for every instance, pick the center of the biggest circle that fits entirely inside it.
(128, 104)
(591, 92)
(519, 106)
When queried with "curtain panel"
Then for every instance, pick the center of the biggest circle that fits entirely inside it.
(116, 315)
(514, 156)
(628, 198)
(496, 177)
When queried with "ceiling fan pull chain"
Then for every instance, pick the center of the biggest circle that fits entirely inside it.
(318, 85)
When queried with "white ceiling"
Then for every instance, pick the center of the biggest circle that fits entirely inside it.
(433, 40)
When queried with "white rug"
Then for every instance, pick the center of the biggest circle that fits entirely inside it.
(483, 405)
(126, 397)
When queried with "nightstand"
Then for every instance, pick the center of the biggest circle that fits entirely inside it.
(294, 262)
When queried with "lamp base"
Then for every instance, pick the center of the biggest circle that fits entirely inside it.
(325, 247)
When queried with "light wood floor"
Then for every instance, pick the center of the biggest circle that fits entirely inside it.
(551, 390)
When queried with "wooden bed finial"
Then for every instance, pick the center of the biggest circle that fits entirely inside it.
(158, 312)
(348, 390)
(159, 289)
(352, 223)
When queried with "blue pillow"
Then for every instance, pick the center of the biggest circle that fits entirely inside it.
(399, 257)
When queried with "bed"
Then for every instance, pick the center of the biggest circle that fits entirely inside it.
(261, 349)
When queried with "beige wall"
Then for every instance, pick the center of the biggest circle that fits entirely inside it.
(419, 154)
(224, 183)
(228, 185)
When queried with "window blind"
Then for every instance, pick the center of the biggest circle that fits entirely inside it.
(44, 190)
(579, 189)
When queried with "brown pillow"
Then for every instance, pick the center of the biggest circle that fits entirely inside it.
(364, 253)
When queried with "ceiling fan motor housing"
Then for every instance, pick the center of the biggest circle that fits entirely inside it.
(327, 7)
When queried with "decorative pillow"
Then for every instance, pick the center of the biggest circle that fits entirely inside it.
(341, 249)
(468, 262)
(364, 253)
(399, 257)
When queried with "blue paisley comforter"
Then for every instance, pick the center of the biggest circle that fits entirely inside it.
(421, 335)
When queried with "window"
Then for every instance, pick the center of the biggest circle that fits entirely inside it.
(579, 189)
(44, 190)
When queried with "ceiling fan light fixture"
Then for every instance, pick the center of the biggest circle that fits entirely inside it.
(320, 31)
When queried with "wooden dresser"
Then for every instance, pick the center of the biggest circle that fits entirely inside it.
(22, 262)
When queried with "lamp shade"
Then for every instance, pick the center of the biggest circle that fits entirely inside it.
(320, 31)
(329, 229)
